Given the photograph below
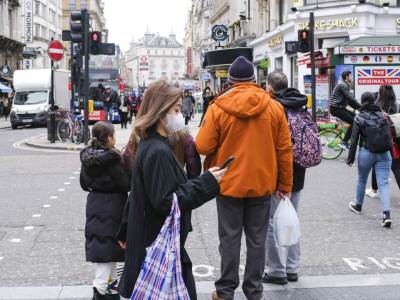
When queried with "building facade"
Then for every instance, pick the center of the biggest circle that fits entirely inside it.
(155, 56)
(336, 23)
(11, 38)
(47, 25)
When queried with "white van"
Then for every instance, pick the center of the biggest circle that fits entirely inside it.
(31, 101)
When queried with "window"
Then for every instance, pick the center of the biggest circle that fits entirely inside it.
(279, 64)
(148, 51)
(37, 8)
(280, 12)
(37, 31)
(44, 32)
(52, 34)
(52, 16)
(84, 4)
(163, 52)
(294, 72)
(72, 4)
(44, 13)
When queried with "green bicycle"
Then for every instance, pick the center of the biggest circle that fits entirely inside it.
(331, 136)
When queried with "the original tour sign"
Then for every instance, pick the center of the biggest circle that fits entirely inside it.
(219, 33)
(331, 24)
(28, 21)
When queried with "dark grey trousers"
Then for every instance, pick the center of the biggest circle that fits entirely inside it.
(234, 216)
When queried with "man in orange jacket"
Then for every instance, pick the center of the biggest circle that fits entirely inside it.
(246, 123)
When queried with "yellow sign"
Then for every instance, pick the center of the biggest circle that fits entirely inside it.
(221, 73)
(333, 24)
(275, 41)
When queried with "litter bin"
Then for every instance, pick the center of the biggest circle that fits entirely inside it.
(60, 115)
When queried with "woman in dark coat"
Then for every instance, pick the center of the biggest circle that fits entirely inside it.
(103, 176)
(157, 175)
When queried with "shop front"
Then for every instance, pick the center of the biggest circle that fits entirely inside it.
(217, 64)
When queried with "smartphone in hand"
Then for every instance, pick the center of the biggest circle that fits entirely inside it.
(227, 163)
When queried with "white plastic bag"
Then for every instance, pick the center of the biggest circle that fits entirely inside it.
(286, 224)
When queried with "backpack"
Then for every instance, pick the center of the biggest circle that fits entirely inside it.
(307, 151)
(378, 138)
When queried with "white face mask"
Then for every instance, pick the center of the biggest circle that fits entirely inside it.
(175, 122)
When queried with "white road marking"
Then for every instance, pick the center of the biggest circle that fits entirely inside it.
(15, 240)
(21, 145)
(28, 228)
(1, 258)
(46, 205)
(53, 197)
(61, 190)
(72, 177)
(36, 216)
(203, 271)
(67, 183)
(370, 263)
(76, 173)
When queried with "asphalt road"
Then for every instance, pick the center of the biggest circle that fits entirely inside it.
(42, 219)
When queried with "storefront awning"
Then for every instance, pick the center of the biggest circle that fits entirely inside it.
(225, 57)
(11, 45)
(370, 45)
(5, 89)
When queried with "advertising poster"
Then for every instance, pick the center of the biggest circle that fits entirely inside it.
(370, 78)
(340, 69)
(322, 98)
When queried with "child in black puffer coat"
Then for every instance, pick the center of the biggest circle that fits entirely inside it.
(104, 177)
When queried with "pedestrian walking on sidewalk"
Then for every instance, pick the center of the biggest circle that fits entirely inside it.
(387, 101)
(124, 110)
(7, 107)
(207, 98)
(103, 176)
(1, 106)
(277, 272)
(371, 131)
(187, 107)
(156, 177)
(246, 123)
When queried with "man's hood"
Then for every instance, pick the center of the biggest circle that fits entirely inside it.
(244, 100)
(291, 98)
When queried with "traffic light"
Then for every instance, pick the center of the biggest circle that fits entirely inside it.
(95, 42)
(304, 40)
(77, 24)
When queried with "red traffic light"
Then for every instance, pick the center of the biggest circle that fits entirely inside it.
(95, 36)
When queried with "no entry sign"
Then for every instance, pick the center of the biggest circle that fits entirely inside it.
(55, 50)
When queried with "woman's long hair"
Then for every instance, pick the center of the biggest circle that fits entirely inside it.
(387, 99)
(159, 98)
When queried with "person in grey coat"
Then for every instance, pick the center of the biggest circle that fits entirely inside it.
(187, 107)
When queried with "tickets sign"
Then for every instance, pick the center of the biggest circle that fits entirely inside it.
(368, 50)
(369, 79)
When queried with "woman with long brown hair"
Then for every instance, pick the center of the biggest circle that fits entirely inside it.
(156, 177)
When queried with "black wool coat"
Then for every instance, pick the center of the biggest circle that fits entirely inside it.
(157, 175)
(103, 176)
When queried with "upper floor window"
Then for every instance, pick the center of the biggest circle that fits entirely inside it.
(37, 8)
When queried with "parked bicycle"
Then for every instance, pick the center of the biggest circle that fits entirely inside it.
(72, 128)
(331, 137)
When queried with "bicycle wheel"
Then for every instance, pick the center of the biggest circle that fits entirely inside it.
(78, 133)
(330, 141)
(63, 131)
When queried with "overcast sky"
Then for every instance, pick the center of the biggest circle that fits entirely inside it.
(127, 18)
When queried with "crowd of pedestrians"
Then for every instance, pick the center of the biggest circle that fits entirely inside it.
(135, 192)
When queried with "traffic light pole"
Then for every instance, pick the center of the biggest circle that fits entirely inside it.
(312, 56)
(52, 110)
(86, 87)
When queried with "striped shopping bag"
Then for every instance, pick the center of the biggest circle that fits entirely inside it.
(160, 277)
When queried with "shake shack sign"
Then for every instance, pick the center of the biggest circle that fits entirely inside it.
(28, 21)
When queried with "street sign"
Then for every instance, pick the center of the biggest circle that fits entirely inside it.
(219, 33)
(55, 50)
(5, 70)
(292, 47)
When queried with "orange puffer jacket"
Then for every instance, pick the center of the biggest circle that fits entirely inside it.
(246, 123)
